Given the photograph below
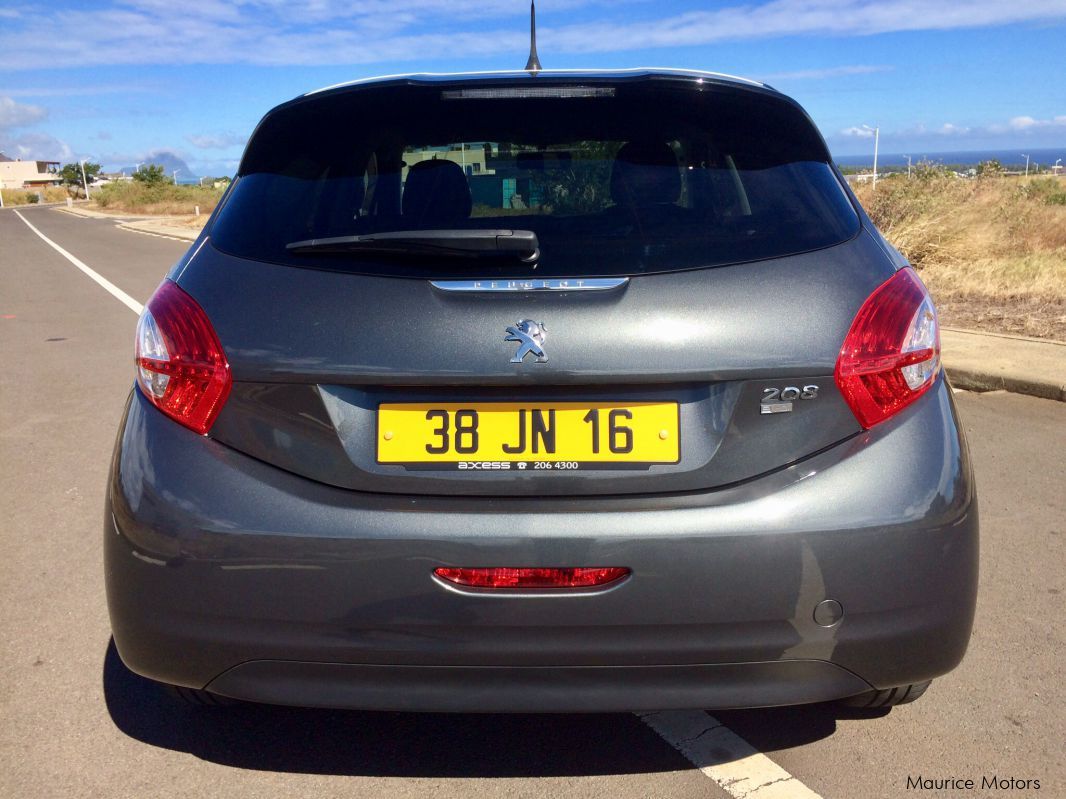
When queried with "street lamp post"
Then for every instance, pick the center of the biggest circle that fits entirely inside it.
(84, 181)
(877, 139)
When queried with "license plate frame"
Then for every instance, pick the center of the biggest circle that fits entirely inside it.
(536, 436)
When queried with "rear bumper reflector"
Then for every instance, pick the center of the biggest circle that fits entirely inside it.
(537, 578)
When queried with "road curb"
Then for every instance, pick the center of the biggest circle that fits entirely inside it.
(978, 361)
(978, 380)
(161, 230)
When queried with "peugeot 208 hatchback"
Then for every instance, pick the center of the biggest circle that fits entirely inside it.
(541, 392)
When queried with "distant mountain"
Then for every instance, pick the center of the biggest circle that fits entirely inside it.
(168, 160)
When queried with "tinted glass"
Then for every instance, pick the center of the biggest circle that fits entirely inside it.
(614, 179)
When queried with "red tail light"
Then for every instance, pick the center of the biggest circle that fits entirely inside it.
(891, 355)
(532, 578)
(181, 367)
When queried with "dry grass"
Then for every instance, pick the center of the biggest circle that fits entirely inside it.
(164, 199)
(992, 251)
(52, 194)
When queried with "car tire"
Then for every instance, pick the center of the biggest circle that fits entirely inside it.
(198, 697)
(888, 697)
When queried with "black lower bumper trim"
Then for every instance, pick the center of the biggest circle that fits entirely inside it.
(570, 689)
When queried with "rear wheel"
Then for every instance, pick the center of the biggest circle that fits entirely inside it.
(198, 697)
(888, 697)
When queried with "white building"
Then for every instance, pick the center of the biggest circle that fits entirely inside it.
(18, 174)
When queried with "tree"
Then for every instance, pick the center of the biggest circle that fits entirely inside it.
(151, 175)
(71, 173)
(582, 185)
(989, 169)
(930, 170)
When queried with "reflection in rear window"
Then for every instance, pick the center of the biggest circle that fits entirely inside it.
(642, 177)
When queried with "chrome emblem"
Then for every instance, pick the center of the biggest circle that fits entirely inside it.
(529, 336)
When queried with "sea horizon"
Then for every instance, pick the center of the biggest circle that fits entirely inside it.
(1010, 159)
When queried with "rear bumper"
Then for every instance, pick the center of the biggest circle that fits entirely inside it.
(226, 573)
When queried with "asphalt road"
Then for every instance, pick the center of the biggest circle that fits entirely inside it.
(74, 722)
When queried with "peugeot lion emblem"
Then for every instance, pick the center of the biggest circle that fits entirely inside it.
(529, 336)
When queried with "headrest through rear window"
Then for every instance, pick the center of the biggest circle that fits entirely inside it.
(436, 194)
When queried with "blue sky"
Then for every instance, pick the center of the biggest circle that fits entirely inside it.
(119, 80)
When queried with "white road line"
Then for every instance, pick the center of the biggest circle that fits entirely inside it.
(149, 233)
(725, 757)
(108, 286)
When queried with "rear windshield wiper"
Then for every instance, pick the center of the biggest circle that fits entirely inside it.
(521, 244)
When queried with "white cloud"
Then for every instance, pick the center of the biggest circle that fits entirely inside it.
(322, 32)
(76, 91)
(1027, 123)
(1017, 126)
(828, 72)
(217, 141)
(18, 115)
(36, 146)
(949, 129)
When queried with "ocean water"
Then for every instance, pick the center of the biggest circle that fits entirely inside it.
(1009, 158)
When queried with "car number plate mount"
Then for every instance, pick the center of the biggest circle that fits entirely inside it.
(528, 436)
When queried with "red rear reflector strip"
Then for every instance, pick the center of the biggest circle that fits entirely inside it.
(532, 578)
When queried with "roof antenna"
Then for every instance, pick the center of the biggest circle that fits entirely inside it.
(533, 64)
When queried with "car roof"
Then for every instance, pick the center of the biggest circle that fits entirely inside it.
(694, 75)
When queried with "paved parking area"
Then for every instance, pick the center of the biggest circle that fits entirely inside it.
(77, 723)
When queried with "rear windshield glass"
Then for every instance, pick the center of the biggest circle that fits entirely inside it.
(613, 179)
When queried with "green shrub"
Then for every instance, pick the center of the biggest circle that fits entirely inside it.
(1049, 191)
(990, 169)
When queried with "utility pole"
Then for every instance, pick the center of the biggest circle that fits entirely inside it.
(1026, 164)
(84, 181)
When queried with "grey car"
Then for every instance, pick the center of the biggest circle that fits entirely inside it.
(541, 391)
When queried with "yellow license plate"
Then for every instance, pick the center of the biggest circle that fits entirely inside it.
(523, 435)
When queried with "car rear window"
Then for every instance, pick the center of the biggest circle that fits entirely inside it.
(614, 179)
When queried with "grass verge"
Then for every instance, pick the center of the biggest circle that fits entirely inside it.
(164, 199)
(992, 251)
(52, 194)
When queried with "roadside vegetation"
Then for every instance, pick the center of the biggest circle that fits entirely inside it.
(52, 194)
(163, 198)
(992, 250)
